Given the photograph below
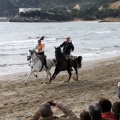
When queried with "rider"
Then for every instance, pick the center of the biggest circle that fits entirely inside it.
(40, 50)
(67, 49)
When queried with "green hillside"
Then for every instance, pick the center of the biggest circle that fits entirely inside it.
(9, 8)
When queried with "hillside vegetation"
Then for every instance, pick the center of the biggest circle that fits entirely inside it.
(10, 7)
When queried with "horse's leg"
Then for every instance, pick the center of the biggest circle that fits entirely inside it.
(76, 70)
(48, 73)
(52, 77)
(29, 76)
(75, 66)
(54, 74)
(35, 75)
(70, 74)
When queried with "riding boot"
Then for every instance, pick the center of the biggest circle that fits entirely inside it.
(69, 64)
(45, 62)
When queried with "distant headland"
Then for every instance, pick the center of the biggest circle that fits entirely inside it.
(106, 13)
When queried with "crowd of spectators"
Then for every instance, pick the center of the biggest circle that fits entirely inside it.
(101, 110)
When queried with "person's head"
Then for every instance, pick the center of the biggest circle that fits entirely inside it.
(45, 110)
(105, 105)
(85, 115)
(119, 90)
(39, 42)
(116, 110)
(95, 111)
(68, 39)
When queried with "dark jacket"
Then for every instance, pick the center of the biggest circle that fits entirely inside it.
(67, 47)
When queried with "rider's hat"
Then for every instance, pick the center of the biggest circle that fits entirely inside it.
(68, 38)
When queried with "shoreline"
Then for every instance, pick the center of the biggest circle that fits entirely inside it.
(75, 20)
(43, 74)
(96, 79)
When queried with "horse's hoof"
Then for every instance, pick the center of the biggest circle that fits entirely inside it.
(66, 81)
(36, 76)
(25, 83)
(76, 79)
(48, 82)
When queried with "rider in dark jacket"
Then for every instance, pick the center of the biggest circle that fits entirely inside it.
(67, 48)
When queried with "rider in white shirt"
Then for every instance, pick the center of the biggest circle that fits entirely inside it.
(40, 50)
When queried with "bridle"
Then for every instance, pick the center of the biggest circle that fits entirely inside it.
(34, 60)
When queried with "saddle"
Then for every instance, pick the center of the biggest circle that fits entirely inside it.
(71, 57)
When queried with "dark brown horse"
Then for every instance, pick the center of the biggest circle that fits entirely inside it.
(62, 64)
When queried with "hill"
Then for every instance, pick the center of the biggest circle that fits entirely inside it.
(115, 5)
(10, 7)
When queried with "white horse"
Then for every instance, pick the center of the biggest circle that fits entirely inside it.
(37, 65)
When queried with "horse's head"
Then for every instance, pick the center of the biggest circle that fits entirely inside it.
(58, 52)
(31, 54)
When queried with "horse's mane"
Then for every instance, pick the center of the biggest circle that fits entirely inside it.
(34, 51)
(60, 53)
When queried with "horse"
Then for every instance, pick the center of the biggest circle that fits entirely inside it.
(62, 64)
(37, 65)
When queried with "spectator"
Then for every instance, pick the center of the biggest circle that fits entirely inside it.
(45, 112)
(95, 112)
(119, 90)
(85, 115)
(106, 106)
(116, 110)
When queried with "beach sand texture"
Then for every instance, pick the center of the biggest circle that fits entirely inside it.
(96, 79)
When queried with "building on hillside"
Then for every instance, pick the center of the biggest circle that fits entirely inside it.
(77, 7)
(24, 10)
(3, 19)
(68, 10)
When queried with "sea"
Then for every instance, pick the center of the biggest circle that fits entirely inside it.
(92, 41)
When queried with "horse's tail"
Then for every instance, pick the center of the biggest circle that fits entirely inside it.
(79, 60)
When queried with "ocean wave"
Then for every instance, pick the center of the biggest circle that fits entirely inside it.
(99, 32)
(93, 49)
(100, 55)
(23, 54)
(15, 48)
(116, 46)
(6, 65)
(20, 42)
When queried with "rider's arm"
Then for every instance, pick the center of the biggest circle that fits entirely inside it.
(69, 113)
(62, 44)
(72, 46)
(36, 48)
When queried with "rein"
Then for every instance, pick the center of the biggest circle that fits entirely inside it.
(35, 61)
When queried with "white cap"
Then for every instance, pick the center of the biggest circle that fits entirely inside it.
(68, 37)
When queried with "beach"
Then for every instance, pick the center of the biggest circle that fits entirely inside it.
(96, 79)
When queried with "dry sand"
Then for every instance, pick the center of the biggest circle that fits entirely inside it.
(96, 79)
